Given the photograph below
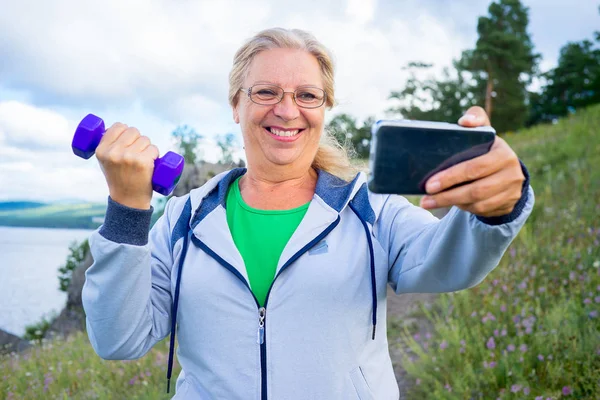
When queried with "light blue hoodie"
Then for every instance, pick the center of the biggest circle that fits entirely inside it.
(315, 338)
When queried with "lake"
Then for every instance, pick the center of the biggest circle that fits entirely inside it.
(29, 262)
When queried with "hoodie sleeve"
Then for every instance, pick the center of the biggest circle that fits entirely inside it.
(127, 290)
(457, 252)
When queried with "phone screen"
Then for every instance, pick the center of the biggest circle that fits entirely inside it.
(404, 157)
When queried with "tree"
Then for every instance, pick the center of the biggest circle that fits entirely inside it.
(503, 63)
(187, 140)
(345, 129)
(433, 100)
(574, 83)
(227, 144)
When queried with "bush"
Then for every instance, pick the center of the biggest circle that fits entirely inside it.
(78, 252)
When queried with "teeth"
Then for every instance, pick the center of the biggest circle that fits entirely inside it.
(284, 133)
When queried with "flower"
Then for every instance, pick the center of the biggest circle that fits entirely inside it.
(566, 390)
(540, 357)
(526, 390)
(491, 344)
(593, 314)
(503, 308)
(515, 388)
(523, 348)
(511, 347)
(444, 345)
(587, 301)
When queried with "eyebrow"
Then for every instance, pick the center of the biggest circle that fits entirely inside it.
(276, 84)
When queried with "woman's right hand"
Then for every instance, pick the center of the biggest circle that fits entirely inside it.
(127, 161)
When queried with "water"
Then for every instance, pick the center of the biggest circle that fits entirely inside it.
(29, 262)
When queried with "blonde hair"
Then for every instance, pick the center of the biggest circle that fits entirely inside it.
(331, 156)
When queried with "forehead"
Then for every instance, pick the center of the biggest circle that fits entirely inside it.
(284, 67)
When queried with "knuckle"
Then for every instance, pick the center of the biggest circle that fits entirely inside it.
(477, 192)
(472, 171)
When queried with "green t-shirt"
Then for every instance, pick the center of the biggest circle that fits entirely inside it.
(260, 236)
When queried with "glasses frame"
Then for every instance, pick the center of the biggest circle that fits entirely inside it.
(248, 92)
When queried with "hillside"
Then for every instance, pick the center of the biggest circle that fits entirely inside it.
(73, 216)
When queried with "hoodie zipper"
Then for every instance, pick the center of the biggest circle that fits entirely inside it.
(262, 311)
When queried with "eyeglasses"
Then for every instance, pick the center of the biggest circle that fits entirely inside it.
(268, 95)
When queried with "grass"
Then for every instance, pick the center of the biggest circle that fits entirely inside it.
(531, 329)
(69, 369)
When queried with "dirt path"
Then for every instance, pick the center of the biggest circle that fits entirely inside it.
(401, 308)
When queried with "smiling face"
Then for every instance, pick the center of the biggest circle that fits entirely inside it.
(282, 134)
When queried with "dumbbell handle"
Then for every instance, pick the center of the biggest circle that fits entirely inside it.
(167, 169)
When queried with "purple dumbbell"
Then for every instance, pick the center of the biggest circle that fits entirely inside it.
(167, 169)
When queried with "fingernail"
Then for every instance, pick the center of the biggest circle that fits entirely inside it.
(468, 118)
(428, 203)
(433, 186)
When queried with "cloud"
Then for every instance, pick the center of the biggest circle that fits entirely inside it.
(25, 126)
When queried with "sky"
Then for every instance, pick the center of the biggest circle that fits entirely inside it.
(158, 64)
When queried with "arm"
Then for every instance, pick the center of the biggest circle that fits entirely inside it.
(454, 253)
(127, 292)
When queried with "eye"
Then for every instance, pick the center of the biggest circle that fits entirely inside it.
(266, 93)
(306, 96)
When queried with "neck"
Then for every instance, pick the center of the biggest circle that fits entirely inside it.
(279, 188)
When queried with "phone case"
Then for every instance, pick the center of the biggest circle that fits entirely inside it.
(405, 153)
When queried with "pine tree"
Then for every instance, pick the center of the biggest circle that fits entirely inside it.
(503, 63)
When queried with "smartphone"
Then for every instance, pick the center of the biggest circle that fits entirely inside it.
(406, 153)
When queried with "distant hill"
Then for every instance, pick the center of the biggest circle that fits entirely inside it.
(19, 205)
(40, 215)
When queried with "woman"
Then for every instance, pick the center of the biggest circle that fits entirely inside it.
(275, 276)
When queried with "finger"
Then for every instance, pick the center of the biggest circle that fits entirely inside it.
(501, 204)
(111, 135)
(473, 192)
(470, 170)
(151, 152)
(140, 144)
(475, 116)
(127, 138)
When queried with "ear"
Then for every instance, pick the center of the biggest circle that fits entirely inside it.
(236, 116)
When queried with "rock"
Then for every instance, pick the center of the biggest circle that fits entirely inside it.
(72, 317)
(10, 343)
(196, 175)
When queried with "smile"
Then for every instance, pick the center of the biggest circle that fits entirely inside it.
(283, 132)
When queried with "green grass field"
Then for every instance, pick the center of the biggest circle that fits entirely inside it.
(529, 331)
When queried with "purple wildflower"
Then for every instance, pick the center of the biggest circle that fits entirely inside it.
(503, 333)
(495, 282)
(540, 357)
(448, 387)
(587, 301)
(593, 314)
(503, 308)
(418, 381)
(463, 343)
(526, 390)
(444, 345)
(566, 390)
(539, 398)
(522, 285)
(542, 289)
(496, 332)
(491, 344)
(597, 299)
(511, 347)
(523, 348)
(515, 388)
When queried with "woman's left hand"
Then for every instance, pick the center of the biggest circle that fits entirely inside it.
(496, 176)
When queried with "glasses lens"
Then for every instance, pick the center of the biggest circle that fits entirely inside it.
(310, 97)
(266, 94)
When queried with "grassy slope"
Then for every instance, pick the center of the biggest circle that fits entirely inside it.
(541, 300)
(531, 328)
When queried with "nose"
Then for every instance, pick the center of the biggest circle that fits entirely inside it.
(287, 109)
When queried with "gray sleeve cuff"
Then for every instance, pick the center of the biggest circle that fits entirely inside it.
(517, 210)
(126, 225)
